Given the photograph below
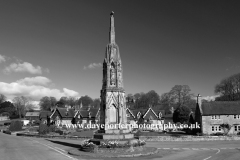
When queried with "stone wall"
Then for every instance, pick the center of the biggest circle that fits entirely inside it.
(208, 122)
(189, 138)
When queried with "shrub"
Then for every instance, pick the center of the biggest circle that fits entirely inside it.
(36, 122)
(15, 126)
(59, 132)
(226, 127)
(217, 134)
(7, 132)
(45, 129)
(7, 123)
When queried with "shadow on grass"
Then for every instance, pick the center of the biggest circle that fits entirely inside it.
(66, 144)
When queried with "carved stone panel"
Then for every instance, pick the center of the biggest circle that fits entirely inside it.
(113, 114)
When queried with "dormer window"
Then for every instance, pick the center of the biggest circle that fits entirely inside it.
(236, 116)
(160, 115)
(138, 115)
(66, 113)
(128, 115)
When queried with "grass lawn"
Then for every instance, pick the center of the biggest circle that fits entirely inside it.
(176, 134)
(86, 133)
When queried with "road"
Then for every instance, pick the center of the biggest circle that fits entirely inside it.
(22, 148)
(19, 148)
(207, 150)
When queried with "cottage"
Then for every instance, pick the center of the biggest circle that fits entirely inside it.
(89, 116)
(44, 116)
(210, 115)
(62, 116)
(32, 115)
(149, 115)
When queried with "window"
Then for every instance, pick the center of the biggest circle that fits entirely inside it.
(160, 115)
(237, 128)
(139, 115)
(128, 115)
(216, 128)
(236, 116)
(215, 117)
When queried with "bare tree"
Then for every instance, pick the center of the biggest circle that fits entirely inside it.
(229, 88)
(20, 103)
(71, 101)
(181, 94)
(2, 98)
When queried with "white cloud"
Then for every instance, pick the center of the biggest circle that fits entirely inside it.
(210, 98)
(23, 67)
(33, 88)
(2, 58)
(39, 80)
(93, 65)
(71, 93)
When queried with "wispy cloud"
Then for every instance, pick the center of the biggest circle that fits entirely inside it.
(92, 66)
(2, 58)
(23, 67)
(210, 98)
(39, 80)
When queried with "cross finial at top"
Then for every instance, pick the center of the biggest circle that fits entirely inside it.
(112, 13)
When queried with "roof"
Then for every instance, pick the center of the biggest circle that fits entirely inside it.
(35, 114)
(93, 112)
(157, 111)
(220, 108)
(44, 114)
(65, 113)
(136, 111)
(168, 116)
(144, 111)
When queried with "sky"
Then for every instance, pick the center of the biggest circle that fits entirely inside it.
(56, 48)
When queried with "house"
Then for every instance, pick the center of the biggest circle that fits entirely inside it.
(4, 116)
(74, 116)
(62, 116)
(149, 115)
(89, 116)
(44, 116)
(210, 115)
(32, 115)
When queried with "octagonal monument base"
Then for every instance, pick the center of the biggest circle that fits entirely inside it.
(122, 136)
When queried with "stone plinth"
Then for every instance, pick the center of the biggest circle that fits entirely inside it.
(123, 136)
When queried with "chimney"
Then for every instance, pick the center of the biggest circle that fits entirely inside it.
(199, 100)
(66, 112)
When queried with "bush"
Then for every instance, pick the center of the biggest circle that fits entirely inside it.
(36, 122)
(15, 126)
(7, 132)
(217, 134)
(59, 132)
(7, 123)
(45, 129)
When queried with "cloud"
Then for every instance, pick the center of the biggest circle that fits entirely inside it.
(69, 92)
(23, 67)
(210, 98)
(39, 80)
(92, 66)
(2, 58)
(34, 89)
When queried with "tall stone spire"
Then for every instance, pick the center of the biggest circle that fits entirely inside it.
(113, 105)
(112, 30)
